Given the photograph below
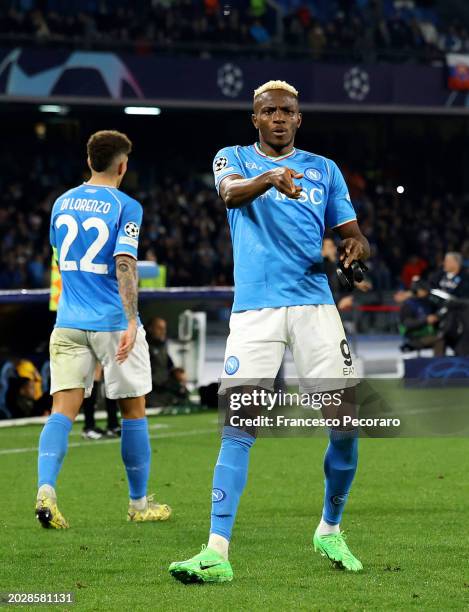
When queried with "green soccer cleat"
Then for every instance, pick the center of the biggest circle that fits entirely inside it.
(334, 547)
(207, 566)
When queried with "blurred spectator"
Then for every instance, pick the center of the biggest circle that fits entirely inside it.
(36, 271)
(418, 318)
(259, 32)
(27, 369)
(211, 7)
(452, 317)
(20, 398)
(414, 266)
(304, 15)
(317, 40)
(429, 32)
(257, 8)
(347, 25)
(450, 40)
(453, 278)
(454, 320)
(169, 382)
(25, 396)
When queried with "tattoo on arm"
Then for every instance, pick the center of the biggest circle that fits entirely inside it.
(126, 272)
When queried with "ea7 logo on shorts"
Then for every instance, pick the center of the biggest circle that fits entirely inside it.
(220, 163)
(218, 495)
(131, 229)
(231, 365)
(312, 174)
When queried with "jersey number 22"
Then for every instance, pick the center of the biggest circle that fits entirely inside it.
(86, 263)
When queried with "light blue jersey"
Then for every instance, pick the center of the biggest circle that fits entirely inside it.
(90, 225)
(277, 241)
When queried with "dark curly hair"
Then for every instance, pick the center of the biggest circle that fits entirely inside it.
(104, 146)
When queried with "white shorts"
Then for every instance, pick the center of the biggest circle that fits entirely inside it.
(314, 334)
(73, 357)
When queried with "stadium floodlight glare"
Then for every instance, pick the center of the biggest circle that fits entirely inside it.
(142, 110)
(54, 108)
(400, 189)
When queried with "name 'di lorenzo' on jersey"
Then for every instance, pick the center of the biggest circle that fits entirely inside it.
(97, 206)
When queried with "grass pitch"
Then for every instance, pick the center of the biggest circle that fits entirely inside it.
(406, 521)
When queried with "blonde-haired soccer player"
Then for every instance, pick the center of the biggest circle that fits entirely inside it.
(279, 200)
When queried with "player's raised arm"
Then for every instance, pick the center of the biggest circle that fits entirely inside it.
(126, 272)
(237, 191)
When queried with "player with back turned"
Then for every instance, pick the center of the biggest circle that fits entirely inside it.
(279, 200)
(94, 233)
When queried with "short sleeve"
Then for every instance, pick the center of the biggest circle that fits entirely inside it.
(52, 239)
(339, 209)
(52, 234)
(129, 229)
(226, 162)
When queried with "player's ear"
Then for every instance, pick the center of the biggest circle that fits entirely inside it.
(254, 120)
(122, 168)
(88, 161)
(300, 119)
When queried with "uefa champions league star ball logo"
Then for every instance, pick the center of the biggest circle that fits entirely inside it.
(447, 367)
(357, 83)
(231, 365)
(220, 163)
(230, 80)
(131, 229)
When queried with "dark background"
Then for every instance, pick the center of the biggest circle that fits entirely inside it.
(425, 153)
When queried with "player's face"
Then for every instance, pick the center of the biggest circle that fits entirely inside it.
(277, 117)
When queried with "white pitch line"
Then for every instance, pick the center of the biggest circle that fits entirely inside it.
(174, 434)
(99, 415)
(76, 431)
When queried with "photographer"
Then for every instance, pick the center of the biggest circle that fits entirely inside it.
(418, 321)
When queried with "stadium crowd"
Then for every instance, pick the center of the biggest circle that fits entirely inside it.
(315, 25)
(185, 228)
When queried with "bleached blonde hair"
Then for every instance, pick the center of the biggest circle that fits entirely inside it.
(275, 85)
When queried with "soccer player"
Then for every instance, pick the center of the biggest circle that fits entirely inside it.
(94, 232)
(279, 200)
